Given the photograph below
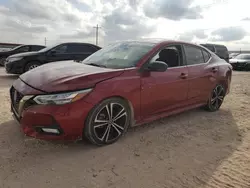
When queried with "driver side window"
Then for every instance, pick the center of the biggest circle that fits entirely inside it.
(61, 49)
(170, 55)
(23, 49)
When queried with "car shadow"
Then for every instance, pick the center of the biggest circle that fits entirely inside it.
(187, 148)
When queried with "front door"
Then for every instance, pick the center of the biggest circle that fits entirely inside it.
(59, 53)
(163, 91)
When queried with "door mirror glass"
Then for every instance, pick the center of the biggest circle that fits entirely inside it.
(157, 66)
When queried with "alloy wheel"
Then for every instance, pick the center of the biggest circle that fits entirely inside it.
(33, 66)
(217, 97)
(110, 122)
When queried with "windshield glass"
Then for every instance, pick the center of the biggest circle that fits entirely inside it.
(48, 48)
(17, 47)
(243, 56)
(119, 55)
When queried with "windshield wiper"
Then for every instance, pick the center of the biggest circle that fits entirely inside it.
(97, 65)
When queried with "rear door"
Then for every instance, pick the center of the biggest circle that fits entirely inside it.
(202, 73)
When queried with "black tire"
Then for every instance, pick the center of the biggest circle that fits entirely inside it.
(31, 65)
(111, 130)
(216, 98)
(2, 61)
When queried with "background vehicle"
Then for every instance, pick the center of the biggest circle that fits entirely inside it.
(119, 86)
(17, 50)
(20, 63)
(241, 62)
(219, 50)
(232, 55)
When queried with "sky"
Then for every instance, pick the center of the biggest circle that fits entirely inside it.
(199, 21)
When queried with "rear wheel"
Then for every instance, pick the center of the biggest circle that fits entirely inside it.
(216, 99)
(31, 65)
(107, 122)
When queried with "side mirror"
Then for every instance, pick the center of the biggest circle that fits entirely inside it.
(157, 66)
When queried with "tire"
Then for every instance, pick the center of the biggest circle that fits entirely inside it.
(31, 65)
(216, 98)
(2, 61)
(99, 129)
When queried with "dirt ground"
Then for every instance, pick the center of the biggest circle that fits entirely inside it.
(193, 149)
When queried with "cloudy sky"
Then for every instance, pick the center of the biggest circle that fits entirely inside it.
(199, 21)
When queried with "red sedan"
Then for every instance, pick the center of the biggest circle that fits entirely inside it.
(122, 85)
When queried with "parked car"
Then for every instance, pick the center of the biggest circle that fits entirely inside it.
(122, 85)
(233, 55)
(17, 50)
(219, 50)
(20, 63)
(241, 62)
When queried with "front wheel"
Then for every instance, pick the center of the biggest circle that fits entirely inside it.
(107, 122)
(216, 98)
(31, 66)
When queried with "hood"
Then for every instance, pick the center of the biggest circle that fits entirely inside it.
(66, 76)
(24, 54)
(239, 60)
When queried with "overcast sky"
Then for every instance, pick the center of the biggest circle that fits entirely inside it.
(199, 21)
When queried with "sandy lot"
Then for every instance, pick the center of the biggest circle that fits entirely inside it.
(193, 149)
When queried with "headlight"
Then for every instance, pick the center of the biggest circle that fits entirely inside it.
(14, 59)
(61, 98)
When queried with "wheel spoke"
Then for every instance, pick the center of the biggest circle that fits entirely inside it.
(100, 125)
(118, 126)
(212, 100)
(107, 137)
(220, 91)
(105, 133)
(119, 132)
(120, 114)
(100, 121)
(111, 110)
(108, 112)
(220, 98)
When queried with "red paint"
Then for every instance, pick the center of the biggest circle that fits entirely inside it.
(151, 95)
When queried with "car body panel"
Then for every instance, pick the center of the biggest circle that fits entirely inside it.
(150, 95)
(67, 76)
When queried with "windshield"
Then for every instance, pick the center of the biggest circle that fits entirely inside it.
(119, 55)
(242, 56)
(48, 48)
(17, 47)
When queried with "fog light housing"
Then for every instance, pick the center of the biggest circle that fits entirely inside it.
(50, 130)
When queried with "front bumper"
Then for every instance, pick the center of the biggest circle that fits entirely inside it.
(15, 67)
(68, 119)
(240, 66)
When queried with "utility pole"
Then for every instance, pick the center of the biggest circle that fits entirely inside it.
(45, 41)
(96, 34)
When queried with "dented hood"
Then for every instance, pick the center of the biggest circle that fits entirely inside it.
(66, 76)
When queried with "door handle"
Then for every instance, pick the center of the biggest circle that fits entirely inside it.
(214, 69)
(184, 75)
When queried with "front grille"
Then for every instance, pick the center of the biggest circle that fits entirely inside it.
(16, 97)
